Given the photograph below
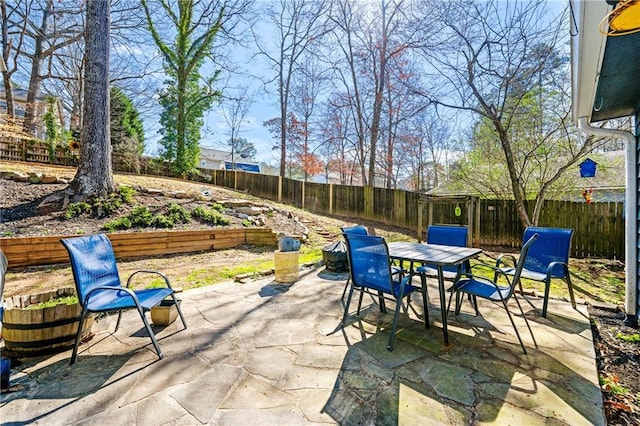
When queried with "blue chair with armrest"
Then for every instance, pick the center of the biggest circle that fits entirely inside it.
(476, 286)
(99, 288)
(370, 272)
(548, 258)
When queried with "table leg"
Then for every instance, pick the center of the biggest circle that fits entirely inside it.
(443, 307)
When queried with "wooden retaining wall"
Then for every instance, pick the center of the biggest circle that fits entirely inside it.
(48, 250)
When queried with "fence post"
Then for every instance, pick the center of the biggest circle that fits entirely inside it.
(303, 186)
(279, 189)
(420, 206)
(469, 207)
(330, 198)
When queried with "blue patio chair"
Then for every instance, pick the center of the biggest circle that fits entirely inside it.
(363, 230)
(448, 235)
(99, 288)
(547, 259)
(370, 271)
(485, 288)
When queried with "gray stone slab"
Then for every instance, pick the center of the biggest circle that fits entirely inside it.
(252, 392)
(202, 396)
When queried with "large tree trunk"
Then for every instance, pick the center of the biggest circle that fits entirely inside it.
(94, 176)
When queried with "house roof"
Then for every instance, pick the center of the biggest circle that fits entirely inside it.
(605, 68)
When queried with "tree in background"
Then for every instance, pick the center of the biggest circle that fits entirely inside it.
(127, 132)
(234, 111)
(186, 95)
(94, 176)
(298, 25)
(501, 59)
(240, 147)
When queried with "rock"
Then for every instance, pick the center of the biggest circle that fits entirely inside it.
(180, 194)
(62, 180)
(250, 211)
(242, 216)
(152, 191)
(49, 179)
(236, 203)
(16, 176)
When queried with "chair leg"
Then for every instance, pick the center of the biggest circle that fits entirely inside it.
(545, 303)
(118, 321)
(346, 286)
(514, 325)
(396, 315)
(150, 331)
(570, 285)
(360, 300)
(346, 307)
(175, 302)
(525, 321)
(78, 336)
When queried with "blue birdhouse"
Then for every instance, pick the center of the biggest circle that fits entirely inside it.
(588, 168)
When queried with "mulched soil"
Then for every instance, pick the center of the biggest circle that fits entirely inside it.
(618, 361)
(619, 364)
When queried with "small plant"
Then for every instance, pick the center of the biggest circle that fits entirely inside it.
(127, 193)
(633, 338)
(217, 206)
(246, 223)
(178, 214)
(7, 233)
(68, 300)
(210, 216)
(162, 221)
(141, 216)
(76, 209)
(611, 384)
(119, 223)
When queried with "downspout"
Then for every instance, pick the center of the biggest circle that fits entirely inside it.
(631, 203)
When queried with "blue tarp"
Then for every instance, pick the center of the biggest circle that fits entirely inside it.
(242, 166)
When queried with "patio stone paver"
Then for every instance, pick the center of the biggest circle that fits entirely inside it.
(261, 353)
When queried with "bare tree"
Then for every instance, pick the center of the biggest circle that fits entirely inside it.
(235, 108)
(94, 176)
(491, 60)
(298, 24)
(50, 26)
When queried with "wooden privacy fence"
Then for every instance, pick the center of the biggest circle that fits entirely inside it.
(49, 250)
(598, 227)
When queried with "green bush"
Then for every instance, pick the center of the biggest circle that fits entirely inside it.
(178, 214)
(217, 206)
(119, 223)
(76, 209)
(162, 221)
(127, 193)
(141, 216)
(210, 216)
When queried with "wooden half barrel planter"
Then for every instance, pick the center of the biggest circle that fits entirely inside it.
(41, 331)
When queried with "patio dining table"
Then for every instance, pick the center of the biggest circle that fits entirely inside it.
(438, 255)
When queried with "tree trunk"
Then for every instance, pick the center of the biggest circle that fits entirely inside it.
(6, 50)
(29, 125)
(94, 176)
(518, 195)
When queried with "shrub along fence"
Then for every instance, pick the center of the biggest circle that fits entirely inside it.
(599, 227)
